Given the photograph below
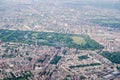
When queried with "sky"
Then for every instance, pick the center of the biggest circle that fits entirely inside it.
(94, 3)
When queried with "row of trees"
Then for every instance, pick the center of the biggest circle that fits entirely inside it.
(84, 65)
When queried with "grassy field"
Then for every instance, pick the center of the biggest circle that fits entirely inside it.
(78, 40)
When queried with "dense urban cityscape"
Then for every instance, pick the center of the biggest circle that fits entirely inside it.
(59, 40)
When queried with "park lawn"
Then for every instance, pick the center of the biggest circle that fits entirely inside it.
(35, 35)
(78, 40)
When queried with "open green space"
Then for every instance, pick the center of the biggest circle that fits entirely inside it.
(84, 65)
(78, 40)
(83, 57)
(25, 76)
(118, 67)
(114, 57)
(55, 60)
(50, 39)
(42, 60)
(115, 23)
(64, 51)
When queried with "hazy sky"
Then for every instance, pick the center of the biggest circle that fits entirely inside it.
(96, 3)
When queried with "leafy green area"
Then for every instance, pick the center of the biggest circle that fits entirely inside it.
(114, 57)
(8, 56)
(27, 53)
(6, 50)
(42, 60)
(82, 77)
(83, 57)
(55, 60)
(25, 76)
(66, 78)
(78, 40)
(50, 39)
(115, 23)
(84, 65)
(64, 51)
(30, 58)
(118, 68)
